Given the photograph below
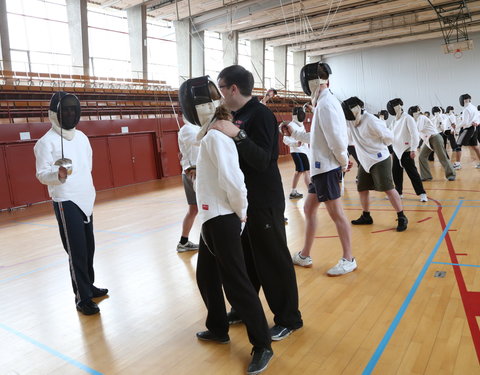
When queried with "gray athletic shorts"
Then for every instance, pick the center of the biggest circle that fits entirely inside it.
(189, 191)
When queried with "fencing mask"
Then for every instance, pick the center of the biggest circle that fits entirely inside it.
(383, 114)
(299, 112)
(67, 109)
(353, 109)
(463, 98)
(392, 104)
(199, 98)
(414, 111)
(313, 75)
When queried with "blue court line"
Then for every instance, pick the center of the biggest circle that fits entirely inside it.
(67, 359)
(100, 248)
(457, 264)
(56, 226)
(33, 271)
(396, 321)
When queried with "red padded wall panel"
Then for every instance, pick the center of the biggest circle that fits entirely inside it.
(169, 156)
(121, 160)
(101, 170)
(25, 187)
(143, 150)
(5, 199)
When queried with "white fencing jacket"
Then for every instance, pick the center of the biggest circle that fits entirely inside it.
(469, 116)
(370, 138)
(188, 145)
(293, 143)
(426, 129)
(220, 185)
(328, 138)
(405, 135)
(449, 121)
(78, 187)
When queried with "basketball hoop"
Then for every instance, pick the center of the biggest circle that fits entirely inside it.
(458, 53)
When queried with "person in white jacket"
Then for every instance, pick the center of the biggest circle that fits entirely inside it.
(188, 146)
(328, 157)
(432, 140)
(222, 203)
(64, 163)
(371, 139)
(450, 125)
(299, 153)
(470, 119)
(405, 142)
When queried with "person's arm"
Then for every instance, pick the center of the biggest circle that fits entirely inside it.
(256, 148)
(380, 131)
(335, 131)
(414, 136)
(290, 141)
(301, 135)
(230, 177)
(187, 141)
(47, 172)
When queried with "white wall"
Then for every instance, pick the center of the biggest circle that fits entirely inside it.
(419, 73)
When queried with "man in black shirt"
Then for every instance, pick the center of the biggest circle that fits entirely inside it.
(255, 132)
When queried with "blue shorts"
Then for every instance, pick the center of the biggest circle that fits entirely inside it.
(326, 185)
(301, 161)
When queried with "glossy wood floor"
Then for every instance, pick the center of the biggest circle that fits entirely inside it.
(391, 316)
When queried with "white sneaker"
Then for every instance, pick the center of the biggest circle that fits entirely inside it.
(457, 165)
(423, 198)
(189, 246)
(343, 266)
(300, 261)
(478, 166)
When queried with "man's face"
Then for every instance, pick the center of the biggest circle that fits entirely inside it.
(227, 92)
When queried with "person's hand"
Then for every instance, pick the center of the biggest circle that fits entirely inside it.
(62, 174)
(412, 154)
(191, 173)
(299, 144)
(285, 129)
(347, 167)
(226, 127)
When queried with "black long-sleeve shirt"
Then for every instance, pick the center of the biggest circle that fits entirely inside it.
(259, 155)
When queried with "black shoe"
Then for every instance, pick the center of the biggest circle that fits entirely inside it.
(363, 220)
(233, 317)
(296, 195)
(209, 336)
(402, 223)
(99, 292)
(279, 332)
(260, 360)
(88, 308)
(426, 179)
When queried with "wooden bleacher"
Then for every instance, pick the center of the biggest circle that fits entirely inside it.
(25, 96)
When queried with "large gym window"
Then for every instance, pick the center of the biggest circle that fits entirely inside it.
(162, 52)
(39, 36)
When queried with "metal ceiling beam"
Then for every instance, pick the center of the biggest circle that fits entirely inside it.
(452, 18)
(227, 15)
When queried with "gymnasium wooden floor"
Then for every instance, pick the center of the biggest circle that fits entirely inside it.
(391, 316)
